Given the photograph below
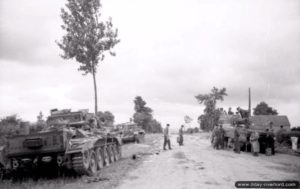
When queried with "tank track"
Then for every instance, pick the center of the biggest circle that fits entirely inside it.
(92, 161)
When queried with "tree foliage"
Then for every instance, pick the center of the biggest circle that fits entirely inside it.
(87, 37)
(264, 109)
(143, 116)
(106, 119)
(187, 119)
(211, 113)
(9, 125)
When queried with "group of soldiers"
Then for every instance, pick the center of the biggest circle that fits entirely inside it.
(257, 143)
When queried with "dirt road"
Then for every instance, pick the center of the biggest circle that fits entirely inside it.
(194, 165)
(197, 165)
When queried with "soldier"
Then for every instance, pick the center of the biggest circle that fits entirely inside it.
(180, 141)
(236, 140)
(222, 136)
(216, 137)
(254, 143)
(270, 142)
(213, 134)
(294, 140)
(167, 137)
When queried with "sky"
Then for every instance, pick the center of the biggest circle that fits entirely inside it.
(170, 51)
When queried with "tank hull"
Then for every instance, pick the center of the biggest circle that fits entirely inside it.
(85, 155)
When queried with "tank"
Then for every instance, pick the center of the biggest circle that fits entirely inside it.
(130, 132)
(229, 122)
(71, 141)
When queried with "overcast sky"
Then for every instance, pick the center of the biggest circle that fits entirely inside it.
(170, 51)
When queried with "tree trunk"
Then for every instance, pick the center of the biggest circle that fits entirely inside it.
(95, 92)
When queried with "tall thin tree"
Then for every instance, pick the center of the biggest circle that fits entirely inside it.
(87, 38)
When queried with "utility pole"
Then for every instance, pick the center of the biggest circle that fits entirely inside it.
(249, 105)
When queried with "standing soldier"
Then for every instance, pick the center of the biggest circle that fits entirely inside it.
(294, 140)
(216, 137)
(236, 140)
(167, 137)
(270, 142)
(254, 143)
(222, 136)
(180, 139)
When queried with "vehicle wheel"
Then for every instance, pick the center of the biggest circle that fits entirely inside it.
(106, 156)
(119, 151)
(86, 159)
(93, 165)
(100, 158)
(137, 140)
(111, 153)
(115, 152)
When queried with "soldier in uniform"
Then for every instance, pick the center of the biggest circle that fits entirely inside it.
(236, 140)
(180, 141)
(270, 141)
(167, 137)
(222, 136)
(216, 137)
(254, 143)
(213, 134)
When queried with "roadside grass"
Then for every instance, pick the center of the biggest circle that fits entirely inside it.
(32, 184)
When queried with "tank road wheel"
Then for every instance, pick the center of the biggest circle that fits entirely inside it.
(81, 163)
(115, 152)
(119, 151)
(106, 156)
(100, 157)
(92, 170)
(111, 153)
(77, 163)
(86, 159)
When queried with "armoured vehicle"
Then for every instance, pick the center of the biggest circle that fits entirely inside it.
(71, 141)
(229, 121)
(130, 132)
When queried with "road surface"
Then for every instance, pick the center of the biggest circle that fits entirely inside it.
(197, 165)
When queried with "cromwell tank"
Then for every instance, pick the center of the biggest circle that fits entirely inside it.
(71, 141)
(130, 132)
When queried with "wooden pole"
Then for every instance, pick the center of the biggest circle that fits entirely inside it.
(249, 105)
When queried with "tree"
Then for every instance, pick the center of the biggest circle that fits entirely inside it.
(143, 116)
(10, 125)
(264, 109)
(87, 38)
(187, 119)
(106, 118)
(211, 113)
(155, 126)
